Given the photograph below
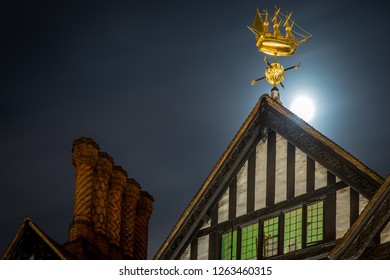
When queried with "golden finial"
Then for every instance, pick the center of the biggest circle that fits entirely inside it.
(275, 43)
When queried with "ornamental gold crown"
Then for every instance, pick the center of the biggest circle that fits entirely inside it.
(274, 42)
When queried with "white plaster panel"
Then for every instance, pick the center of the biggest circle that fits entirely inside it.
(223, 207)
(362, 203)
(321, 176)
(187, 254)
(385, 234)
(206, 225)
(342, 211)
(261, 175)
(203, 248)
(300, 172)
(242, 187)
(281, 169)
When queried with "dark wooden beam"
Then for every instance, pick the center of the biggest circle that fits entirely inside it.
(265, 212)
(304, 225)
(260, 241)
(290, 170)
(319, 251)
(366, 230)
(330, 216)
(310, 174)
(281, 234)
(250, 204)
(239, 238)
(214, 216)
(271, 165)
(331, 178)
(213, 238)
(324, 151)
(233, 198)
(354, 205)
(218, 245)
(220, 178)
(380, 252)
(194, 249)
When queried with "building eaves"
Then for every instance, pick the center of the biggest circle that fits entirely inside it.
(368, 225)
(27, 222)
(268, 113)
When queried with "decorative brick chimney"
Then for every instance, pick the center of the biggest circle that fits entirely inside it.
(129, 215)
(144, 211)
(85, 155)
(114, 210)
(111, 213)
(99, 210)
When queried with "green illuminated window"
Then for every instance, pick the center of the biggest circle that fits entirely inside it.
(292, 230)
(315, 223)
(249, 237)
(270, 237)
(229, 246)
(285, 233)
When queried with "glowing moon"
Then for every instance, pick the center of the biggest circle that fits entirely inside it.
(303, 107)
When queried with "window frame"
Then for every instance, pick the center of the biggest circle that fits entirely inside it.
(281, 214)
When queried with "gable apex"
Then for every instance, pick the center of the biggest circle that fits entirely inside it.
(28, 231)
(322, 149)
(267, 115)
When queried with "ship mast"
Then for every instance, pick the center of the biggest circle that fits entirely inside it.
(276, 44)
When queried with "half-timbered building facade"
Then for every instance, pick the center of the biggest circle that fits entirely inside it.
(282, 190)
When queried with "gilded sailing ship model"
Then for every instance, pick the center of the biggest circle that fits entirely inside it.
(275, 43)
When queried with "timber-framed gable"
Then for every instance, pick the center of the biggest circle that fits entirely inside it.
(242, 197)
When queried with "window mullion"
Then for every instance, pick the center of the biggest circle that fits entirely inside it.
(260, 241)
(238, 249)
(281, 234)
(304, 225)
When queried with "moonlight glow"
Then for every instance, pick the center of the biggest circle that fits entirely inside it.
(303, 107)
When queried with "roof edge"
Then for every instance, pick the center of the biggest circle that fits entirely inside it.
(366, 226)
(15, 238)
(212, 175)
(263, 103)
(331, 144)
(27, 221)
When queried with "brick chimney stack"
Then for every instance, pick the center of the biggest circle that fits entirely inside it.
(85, 155)
(144, 211)
(129, 214)
(111, 213)
(114, 210)
(104, 168)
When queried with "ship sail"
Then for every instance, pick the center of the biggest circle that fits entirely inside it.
(276, 43)
(276, 24)
(289, 35)
(257, 26)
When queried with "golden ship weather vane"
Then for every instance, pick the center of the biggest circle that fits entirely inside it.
(276, 44)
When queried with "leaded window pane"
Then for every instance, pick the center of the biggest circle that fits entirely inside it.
(315, 223)
(292, 230)
(270, 235)
(229, 245)
(249, 237)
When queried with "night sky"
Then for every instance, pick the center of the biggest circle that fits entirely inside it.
(163, 86)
